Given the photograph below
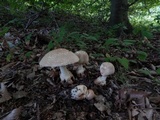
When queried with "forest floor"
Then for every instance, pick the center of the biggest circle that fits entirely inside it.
(36, 93)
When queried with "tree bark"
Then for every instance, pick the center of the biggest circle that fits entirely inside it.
(119, 17)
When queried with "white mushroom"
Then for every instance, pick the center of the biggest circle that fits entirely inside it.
(106, 69)
(60, 58)
(83, 59)
(80, 92)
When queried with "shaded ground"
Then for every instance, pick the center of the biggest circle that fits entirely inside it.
(42, 96)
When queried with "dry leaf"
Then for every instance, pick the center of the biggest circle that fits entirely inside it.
(100, 98)
(141, 108)
(5, 94)
(8, 36)
(100, 106)
(155, 100)
(31, 75)
(103, 107)
(19, 94)
(14, 114)
(5, 44)
(7, 67)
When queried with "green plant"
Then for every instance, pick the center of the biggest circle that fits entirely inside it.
(28, 38)
(9, 57)
(50, 45)
(128, 42)
(158, 71)
(28, 54)
(144, 71)
(3, 31)
(81, 39)
(110, 42)
(143, 31)
(141, 55)
(122, 61)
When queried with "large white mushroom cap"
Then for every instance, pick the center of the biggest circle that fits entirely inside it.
(58, 57)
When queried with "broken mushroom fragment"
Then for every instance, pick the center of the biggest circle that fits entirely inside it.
(90, 95)
(60, 58)
(83, 59)
(106, 69)
(80, 92)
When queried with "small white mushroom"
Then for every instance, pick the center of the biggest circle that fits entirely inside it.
(83, 59)
(60, 58)
(106, 69)
(80, 92)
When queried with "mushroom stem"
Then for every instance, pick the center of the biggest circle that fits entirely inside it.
(80, 69)
(101, 80)
(65, 75)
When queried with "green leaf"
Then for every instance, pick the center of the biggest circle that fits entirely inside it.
(98, 55)
(124, 62)
(111, 59)
(62, 32)
(81, 44)
(146, 72)
(9, 57)
(128, 42)
(4, 30)
(111, 41)
(28, 37)
(142, 55)
(50, 45)
(147, 34)
(158, 71)
(89, 37)
(28, 54)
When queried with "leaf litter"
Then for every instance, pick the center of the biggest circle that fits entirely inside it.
(29, 92)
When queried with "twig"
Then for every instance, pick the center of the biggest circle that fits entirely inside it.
(31, 20)
(132, 3)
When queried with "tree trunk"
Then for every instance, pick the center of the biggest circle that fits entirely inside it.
(119, 17)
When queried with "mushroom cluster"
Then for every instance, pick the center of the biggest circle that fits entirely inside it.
(106, 69)
(62, 57)
(81, 92)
